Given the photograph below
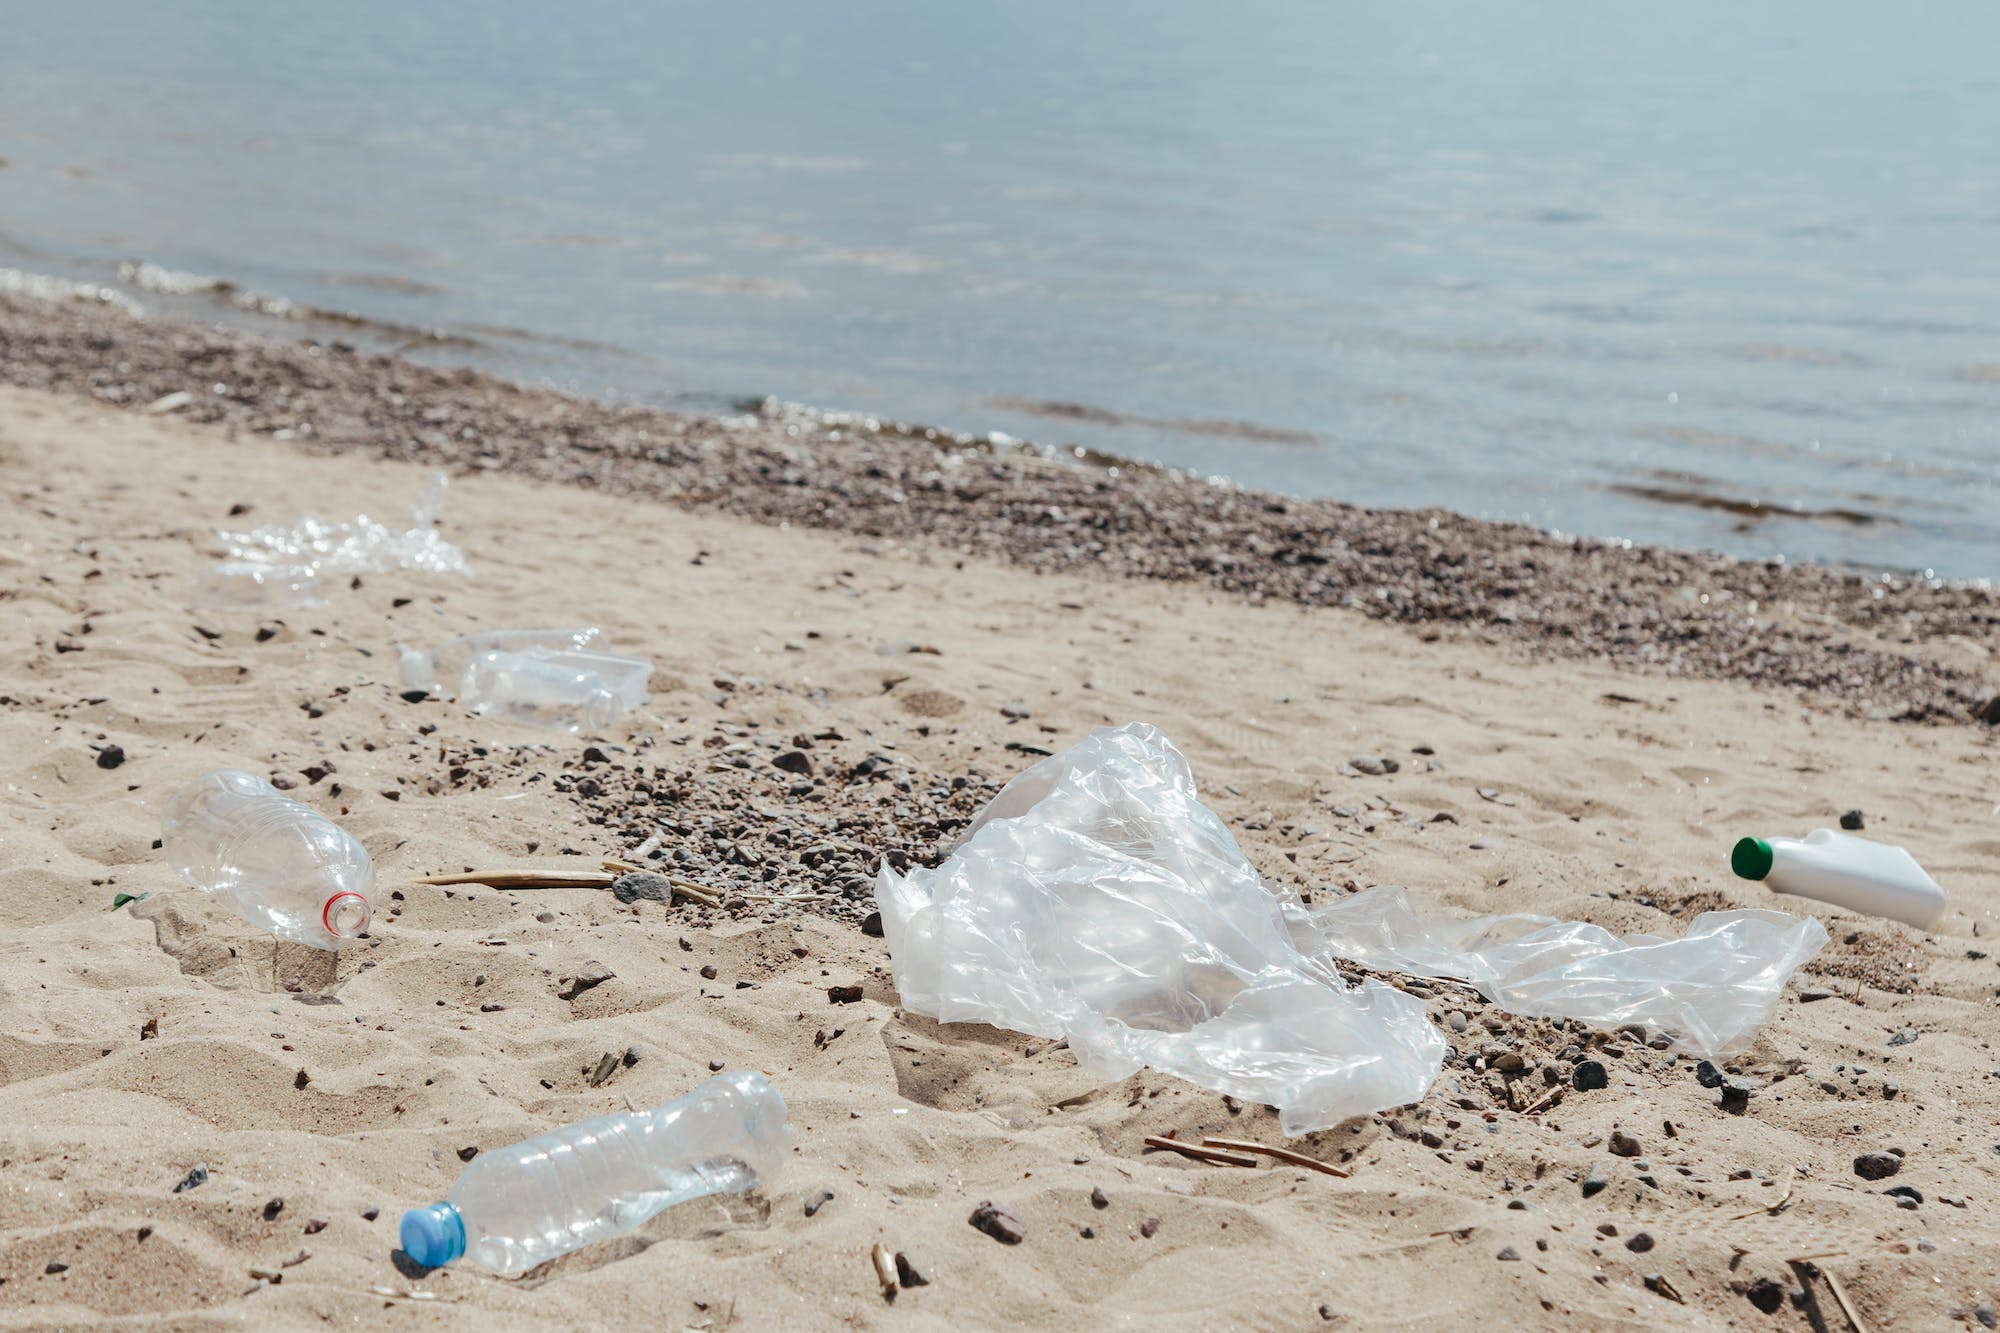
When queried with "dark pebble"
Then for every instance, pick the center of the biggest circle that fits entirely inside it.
(56, 1267)
(1594, 1183)
(1375, 765)
(1766, 1295)
(272, 1208)
(1590, 1075)
(1877, 1165)
(907, 1273)
(1150, 1227)
(1908, 1196)
(1623, 1144)
(1735, 1097)
(1851, 821)
(111, 756)
(843, 994)
(998, 1221)
(315, 1225)
(1508, 1255)
(1707, 1074)
(818, 1201)
(1903, 1037)
(794, 761)
(468, 1152)
(708, 971)
(871, 925)
(643, 884)
(1640, 1242)
(370, 1213)
(631, 1056)
(194, 1179)
(415, 696)
(1098, 1198)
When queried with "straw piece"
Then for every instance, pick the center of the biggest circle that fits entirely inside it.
(527, 879)
(1282, 1154)
(1200, 1154)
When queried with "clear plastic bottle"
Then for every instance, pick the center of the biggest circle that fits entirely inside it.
(445, 667)
(248, 585)
(1850, 872)
(520, 1206)
(565, 691)
(285, 867)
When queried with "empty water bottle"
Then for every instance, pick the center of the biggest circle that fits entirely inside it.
(286, 868)
(444, 669)
(567, 691)
(246, 585)
(517, 1207)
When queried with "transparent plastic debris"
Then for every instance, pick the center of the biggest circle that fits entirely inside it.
(356, 545)
(443, 669)
(283, 866)
(1709, 991)
(248, 585)
(1096, 899)
(573, 690)
(520, 1206)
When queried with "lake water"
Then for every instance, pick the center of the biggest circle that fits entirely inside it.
(1693, 274)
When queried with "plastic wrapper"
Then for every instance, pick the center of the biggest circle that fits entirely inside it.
(1709, 990)
(1096, 899)
(356, 545)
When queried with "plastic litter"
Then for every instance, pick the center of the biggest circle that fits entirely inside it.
(564, 691)
(1708, 991)
(247, 585)
(1846, 871)
(285, 867)
(516, 1207)
(442, 670)
(1096, 899)
(357, 545)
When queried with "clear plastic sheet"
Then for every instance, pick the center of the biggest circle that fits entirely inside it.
(1096, 899)
(356, 545)
(1709, 991)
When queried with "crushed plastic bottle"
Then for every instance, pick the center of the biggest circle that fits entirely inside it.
(248, 585)
(1846, 871)
(442, 671)
(563, 691)
(520, 1206)
(356, 545)
(285, 867)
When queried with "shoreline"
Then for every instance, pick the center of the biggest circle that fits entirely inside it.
(1882, 647)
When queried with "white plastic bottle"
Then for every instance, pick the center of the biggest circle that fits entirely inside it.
(565, 691)
(1844, 870)
(445, 667)
(520, 1206)
(286, 868)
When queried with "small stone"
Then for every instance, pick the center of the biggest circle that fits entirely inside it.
(907, 1273)
(643, 885)
(871, 925)
(1814, 996)
(1508, 1255)
(1623, 1144)
(56, 1266)
(1640, 1242)
(708, 971)
(843, 994)
(1014, 710)
(1375, 765)
(1767, 1295)
(1456, 1020)
(370, 1213)
(1852, 821)
(1986, 1316)
(1098, 1198)
(1150, 1227)
(1906, 1196)
(272, 1208)
(468, 1152)
(546, 918)
(794, 761)
(196, 1177)
(1903, 1037)
(631, 1056)
(1707, 1074)
(998, 1221)
(1890, 1090)
(315, 1225)
(1735, 1097)
(1877, 1165)
(1510, 1062)
(111, 756)
(1589, 1076)
(1594, 1183)
(818, 1201)
(592, 973)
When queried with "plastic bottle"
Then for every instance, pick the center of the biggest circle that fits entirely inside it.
(1844, 870)
(286, 868)
(248, 585)
(445, 668)
(566, 691)
(517, 1207)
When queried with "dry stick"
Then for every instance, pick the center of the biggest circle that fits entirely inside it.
(1282, 1154)
(1198, 1153)
(528, 879)
(1840, 1295)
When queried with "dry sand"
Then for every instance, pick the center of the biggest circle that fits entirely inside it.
(139, 1042)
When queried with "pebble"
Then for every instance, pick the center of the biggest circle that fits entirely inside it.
(468, 1152)
(1903, 1037)
(1150, 1227)
(1623, 1144)
(1594, 1183)
(592, 973)
(272, 1208)
(196, 1177)
(1767, 1295)
(818, 1201)
(1890, 1090)
(370, 1213)
(1098, 1198)
(1877, 1165)
(1707, 1074)
(871, 925)
(315, 1225)
(1015, 710)
(907, 1273)
(1735, 1097)
(1456, 1020)
(843, 994)
(643, 884)
(708, 971)
(1852, 821)
(1508, 1255)
(999, 1221)
(1590, 1075)
(111, 756)
(1640, 1242)
(1814, 996)
(1375, 765)
(1906, 1196)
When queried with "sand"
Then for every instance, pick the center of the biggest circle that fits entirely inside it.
(139, 1042)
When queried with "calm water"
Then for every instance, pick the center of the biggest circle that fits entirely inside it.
(1688, 276)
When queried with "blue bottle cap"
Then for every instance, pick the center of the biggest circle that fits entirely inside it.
(433, 1236)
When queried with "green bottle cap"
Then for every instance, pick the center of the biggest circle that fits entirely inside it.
(1752, 858)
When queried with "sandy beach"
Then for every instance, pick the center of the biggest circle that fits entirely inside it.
(1582, 729)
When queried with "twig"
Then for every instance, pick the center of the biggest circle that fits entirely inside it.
(1772, 1209)
(1282, 1154)
(1546, 1100)
(1199, 1154)
(527, 879)
(784, 897)
(885, 1270)
(1840, 1297)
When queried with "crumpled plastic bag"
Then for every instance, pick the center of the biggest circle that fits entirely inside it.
(1709, 991)
(356, 545)
(1096, 899)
